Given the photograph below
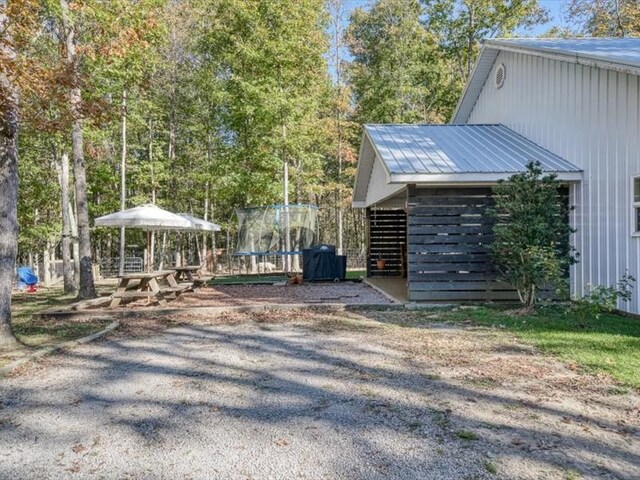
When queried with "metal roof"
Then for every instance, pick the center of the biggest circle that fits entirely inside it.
(619, 54)
(623, 51)
(453, 149)
(393, 156)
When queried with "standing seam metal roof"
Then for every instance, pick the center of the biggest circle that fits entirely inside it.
(437, 149)
(624, 51)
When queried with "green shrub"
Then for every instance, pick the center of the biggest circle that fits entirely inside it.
(600, 299)
(531, 248)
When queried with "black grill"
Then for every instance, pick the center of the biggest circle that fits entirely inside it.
(320, 263)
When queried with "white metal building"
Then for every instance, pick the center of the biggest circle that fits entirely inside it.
(578, 100)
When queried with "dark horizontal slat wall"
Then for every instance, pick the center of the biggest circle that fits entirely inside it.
(448, 237)
(387, 240)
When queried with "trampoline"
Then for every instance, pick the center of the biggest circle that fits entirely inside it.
(276, 229)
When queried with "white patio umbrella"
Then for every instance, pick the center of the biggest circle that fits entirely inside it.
(200, 224)
(147, 217)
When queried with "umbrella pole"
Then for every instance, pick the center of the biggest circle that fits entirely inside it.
(148, 254)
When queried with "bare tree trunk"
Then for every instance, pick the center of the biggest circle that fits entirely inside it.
(152, 252)
(46, 264)
(338, 39)
(75, 245)
(203, 254)
(252, 258)
(163, 250)
(296, 247)
(9, 121)
(8, 189)
(295, 261)
(285, 176)
(470, 37)
(67, 268)
(109, 245)
(87, 287)
(123, 180)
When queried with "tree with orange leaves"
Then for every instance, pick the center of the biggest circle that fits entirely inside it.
(96, 36)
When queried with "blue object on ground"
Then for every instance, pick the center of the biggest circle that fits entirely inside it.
(26, 276)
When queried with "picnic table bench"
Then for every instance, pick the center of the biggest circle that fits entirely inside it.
(191, 273)
(148, 286)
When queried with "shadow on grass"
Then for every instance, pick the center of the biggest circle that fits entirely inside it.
(32, 333)
(608, 344)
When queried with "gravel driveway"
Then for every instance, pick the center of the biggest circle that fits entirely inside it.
(251, 398)
(350, 293)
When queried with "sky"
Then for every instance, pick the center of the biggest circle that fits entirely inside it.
(555, 8)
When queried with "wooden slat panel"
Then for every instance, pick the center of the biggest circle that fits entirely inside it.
(460, 286)
(452, 229)
(416, 220)
(463, 248)
(453, 258)
(448, 191)
(387, 238)
(456, 266)
(419, 240)
(482, 201)
(432, 271)
(445, 276)
(448, 210)
(388, 230)
(439, 296)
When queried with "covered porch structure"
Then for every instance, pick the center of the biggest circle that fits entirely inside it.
(427, 189)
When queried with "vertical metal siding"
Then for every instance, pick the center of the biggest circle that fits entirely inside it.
(590, 117)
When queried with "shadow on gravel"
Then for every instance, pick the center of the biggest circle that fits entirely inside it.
(271, 374)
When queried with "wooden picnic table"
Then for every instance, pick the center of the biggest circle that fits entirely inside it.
(148, 286)
(192, 273)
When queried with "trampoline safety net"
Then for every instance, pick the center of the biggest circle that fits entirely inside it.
(264, 230)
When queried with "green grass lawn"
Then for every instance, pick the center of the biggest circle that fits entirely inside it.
(34, 333)
(610, 344)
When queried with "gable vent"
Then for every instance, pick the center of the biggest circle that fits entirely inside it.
(501, 73)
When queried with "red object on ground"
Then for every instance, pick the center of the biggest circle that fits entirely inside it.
(32, 289)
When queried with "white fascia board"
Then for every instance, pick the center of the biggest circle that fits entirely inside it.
(486, 55)
(368, 158)
(471, 178)
(359, 167)
(377, 154)
(363, 168)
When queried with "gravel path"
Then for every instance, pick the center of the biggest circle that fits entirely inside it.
(254, 399)
(350, 293)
